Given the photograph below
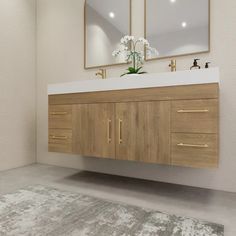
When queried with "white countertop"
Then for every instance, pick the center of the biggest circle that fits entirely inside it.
(203, 76)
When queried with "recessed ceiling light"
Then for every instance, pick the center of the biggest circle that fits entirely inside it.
(184, 24)
(112, 14)
(172, 1)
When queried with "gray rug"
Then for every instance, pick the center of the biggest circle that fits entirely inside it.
(40, 210)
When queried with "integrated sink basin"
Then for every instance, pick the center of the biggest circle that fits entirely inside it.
(203, 76)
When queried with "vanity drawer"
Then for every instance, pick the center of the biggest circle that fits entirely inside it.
(60, 116)
(194, 150)
(60, 140)
(195, 116)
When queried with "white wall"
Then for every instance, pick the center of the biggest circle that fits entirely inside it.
(60, 59)
(17, 83)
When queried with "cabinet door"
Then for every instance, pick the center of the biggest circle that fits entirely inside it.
(94, 130)
(143, 132)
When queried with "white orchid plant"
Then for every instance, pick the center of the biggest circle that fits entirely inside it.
(128, 47)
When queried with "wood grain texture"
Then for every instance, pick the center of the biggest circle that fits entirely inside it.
(142, 132)
(60, 140)
(92, 130)
(60, 117)
(165, 126)
(195, 122)
(194, 156)
(204, 91)
(143, 125)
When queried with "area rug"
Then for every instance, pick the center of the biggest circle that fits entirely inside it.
(41, 211)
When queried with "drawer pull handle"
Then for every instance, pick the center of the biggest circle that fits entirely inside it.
(58, 113)
(193, 111)
(120, 131)
(59, 137)
(109, 131)
(193, 145)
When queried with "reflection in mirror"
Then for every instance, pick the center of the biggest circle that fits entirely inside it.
(106, 22)
(177, 27)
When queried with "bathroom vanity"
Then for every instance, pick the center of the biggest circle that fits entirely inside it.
(166, 118)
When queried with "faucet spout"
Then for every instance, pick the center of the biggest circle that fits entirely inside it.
(102, 73)
(173, 65)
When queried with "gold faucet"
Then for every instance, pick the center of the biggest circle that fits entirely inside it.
(102, 73)
(173, 66)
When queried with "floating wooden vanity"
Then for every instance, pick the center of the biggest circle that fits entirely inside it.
(172, 125)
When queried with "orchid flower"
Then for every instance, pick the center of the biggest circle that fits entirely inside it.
(129, 46)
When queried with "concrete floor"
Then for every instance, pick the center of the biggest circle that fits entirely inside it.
(213, 206)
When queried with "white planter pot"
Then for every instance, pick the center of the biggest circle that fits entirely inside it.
(132, 76)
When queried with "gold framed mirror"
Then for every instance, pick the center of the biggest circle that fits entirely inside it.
(105, 23)
(177, 27)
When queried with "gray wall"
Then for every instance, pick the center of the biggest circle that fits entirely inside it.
(181, 42)
(60, 59)
(17, 83)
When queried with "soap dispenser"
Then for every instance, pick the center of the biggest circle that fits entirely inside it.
(195, 65)
(207, 65)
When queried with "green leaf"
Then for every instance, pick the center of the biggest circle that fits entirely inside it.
(132, 70)
(140, 73)
(123, 74)
(138, 70)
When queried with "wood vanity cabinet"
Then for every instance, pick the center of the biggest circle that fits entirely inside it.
(175, 125)
(143, 131)
(94, 130)
(60, 128)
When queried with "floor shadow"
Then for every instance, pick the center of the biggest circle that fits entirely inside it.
(190, 194)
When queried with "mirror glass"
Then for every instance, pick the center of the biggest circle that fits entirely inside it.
(106, 22)
(177, 27)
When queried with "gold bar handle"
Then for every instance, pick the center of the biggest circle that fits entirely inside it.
(120, 131)
(193, 111)
(59, 137)
(58, 113)
(193, 145)
(109, 131)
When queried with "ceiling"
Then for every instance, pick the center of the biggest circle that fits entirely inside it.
(164, 16)
(121, 9)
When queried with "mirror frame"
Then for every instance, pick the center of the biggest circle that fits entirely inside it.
(86, 67)
(180, 55)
